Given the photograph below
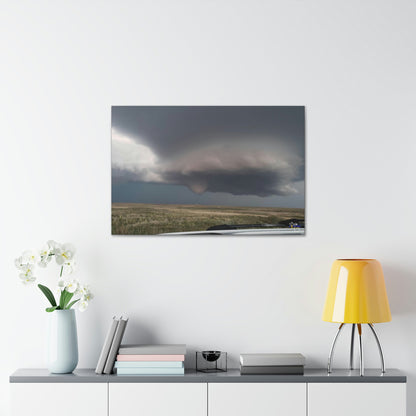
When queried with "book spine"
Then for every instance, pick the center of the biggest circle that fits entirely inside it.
(148, 364)
(150, 357)
(276, 370)
(151, 371)
(270, 361)
(108, 369)
(152, 350)
(106, 347)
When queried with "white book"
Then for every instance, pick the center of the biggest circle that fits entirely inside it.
(276, 359)
(106, 346)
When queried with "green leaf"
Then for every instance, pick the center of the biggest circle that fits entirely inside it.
(62, 299)
(72, 304)
(65, 298)
(51, 309)
(49, 295)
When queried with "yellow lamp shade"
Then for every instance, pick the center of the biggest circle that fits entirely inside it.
(356, 293)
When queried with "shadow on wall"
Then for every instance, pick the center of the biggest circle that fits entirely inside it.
(401, 289)
(190, 358)
(139, 333)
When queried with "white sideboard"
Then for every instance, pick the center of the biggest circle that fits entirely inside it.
(250, 399)
(184, 399)
(346, 399)
(63, 399)
(36, 392)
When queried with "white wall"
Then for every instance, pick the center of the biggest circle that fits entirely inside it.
(351, 63)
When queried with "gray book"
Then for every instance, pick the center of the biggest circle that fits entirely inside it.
(272, 359)
(276, 370)
(118, 336)
(106, 347)
(143, 349)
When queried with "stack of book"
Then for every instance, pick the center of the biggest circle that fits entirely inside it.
(151, 360)
(272, 364)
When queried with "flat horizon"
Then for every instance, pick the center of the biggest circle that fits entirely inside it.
(207, 205)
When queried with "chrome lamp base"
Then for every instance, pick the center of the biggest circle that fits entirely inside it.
(331, 352)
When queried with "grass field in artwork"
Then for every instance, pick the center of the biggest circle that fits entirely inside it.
(148, 219)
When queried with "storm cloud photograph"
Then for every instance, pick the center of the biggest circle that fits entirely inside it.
(226, 170)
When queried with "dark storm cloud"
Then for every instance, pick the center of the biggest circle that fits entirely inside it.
(244, 182)
(237, 150)
(168, 130)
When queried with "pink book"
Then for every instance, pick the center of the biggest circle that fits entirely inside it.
(150, 358)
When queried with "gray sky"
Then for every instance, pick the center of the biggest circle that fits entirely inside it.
(228, 155)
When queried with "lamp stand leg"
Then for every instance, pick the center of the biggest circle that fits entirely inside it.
(383, 368)
(361, 351)
(331, 352)
(352, 347)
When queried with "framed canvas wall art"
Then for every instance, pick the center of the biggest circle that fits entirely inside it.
(216, 170)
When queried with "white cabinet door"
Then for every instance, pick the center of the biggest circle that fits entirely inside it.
(158, 399)
(360, 399)
(257, 399)
(63, 399)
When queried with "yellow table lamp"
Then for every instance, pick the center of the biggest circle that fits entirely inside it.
(356, 295)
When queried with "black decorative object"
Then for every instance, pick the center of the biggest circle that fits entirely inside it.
(211, 361)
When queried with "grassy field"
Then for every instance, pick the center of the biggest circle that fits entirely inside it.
(133, 219)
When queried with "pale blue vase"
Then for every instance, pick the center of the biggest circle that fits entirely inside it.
(62, 342)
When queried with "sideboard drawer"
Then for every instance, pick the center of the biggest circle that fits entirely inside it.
(157, 399)
(254, 399)
(367, 399)
(63, 399)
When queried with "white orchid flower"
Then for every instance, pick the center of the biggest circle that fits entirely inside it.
(72, 286)
(82, 305)
(43, 263)
(53, 245)
(89, 296)
(30, 257)
(61, 285)
(27, 269)
(27, 278)
(45, 256)
(83, 290)
(24, 267)
(27, 272)
(25, 260)
(27, 275)
(85, 293)
(19, 263)
(64, 253)
(69, 267)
